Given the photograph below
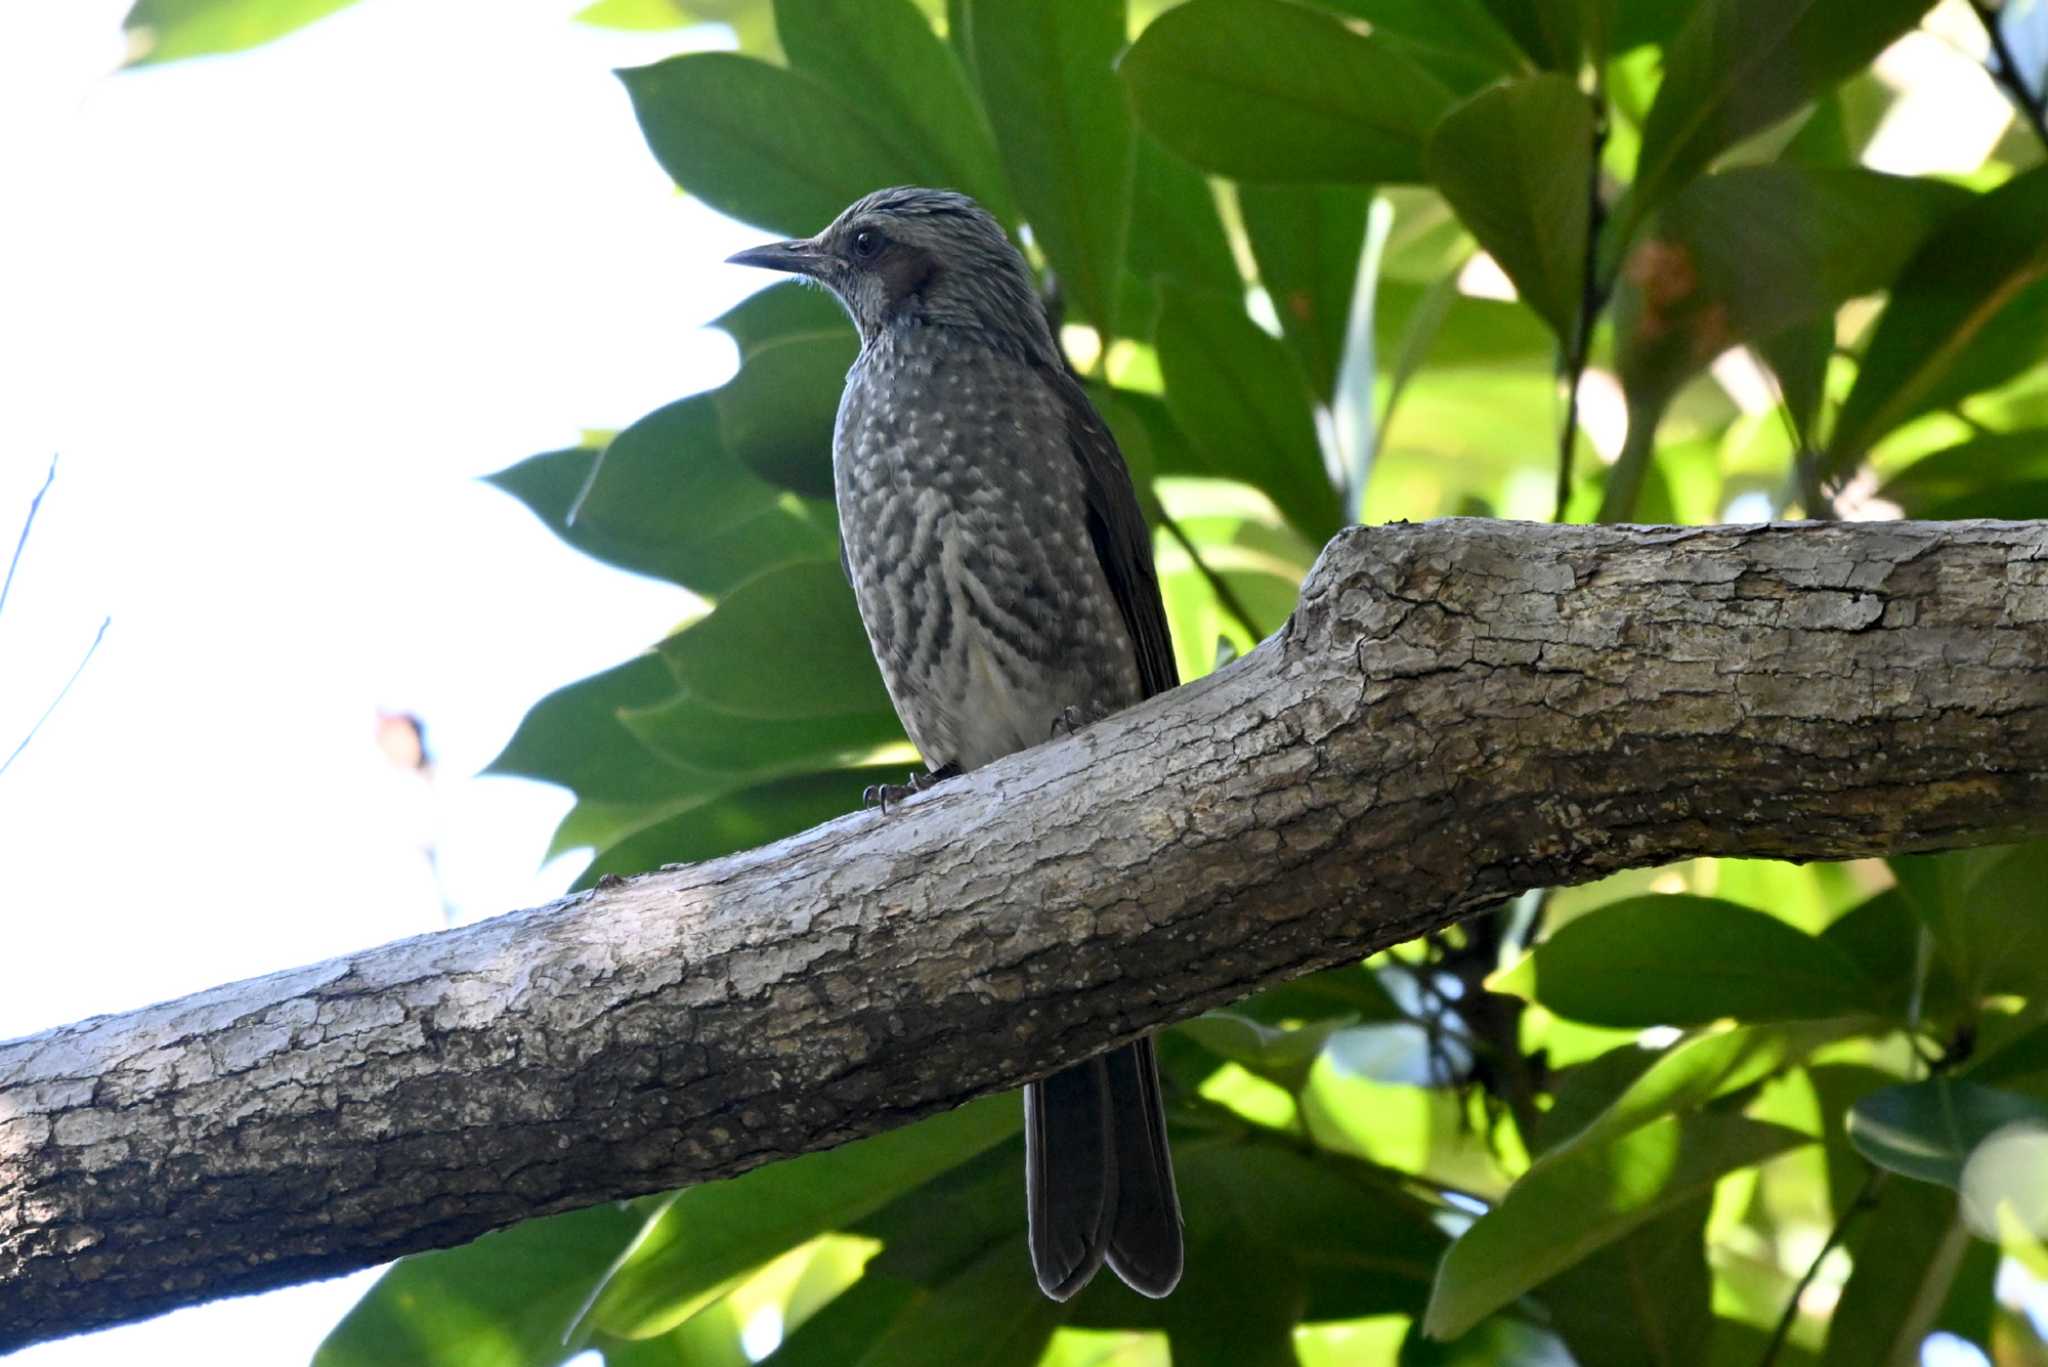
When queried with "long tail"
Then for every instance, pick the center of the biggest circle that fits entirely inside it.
(1099, 1177)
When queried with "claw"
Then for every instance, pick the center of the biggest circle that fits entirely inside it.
(882, 794)
(1074, 717)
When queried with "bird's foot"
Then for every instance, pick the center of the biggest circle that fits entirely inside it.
(1075, 717)
(882, 794)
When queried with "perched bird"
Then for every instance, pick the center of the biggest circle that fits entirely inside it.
(1004, 574)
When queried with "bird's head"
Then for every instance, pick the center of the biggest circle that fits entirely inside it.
(910, 257)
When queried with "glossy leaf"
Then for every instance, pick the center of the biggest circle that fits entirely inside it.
(785, 645)
(170, 30)
(1585, 1198)
(1270, 90)
(773, 147)
(1238, 395)
(1926, 1130)
(1514, 160)
(505, 1300)
(702, 1237)
(1684, 960)
(667, 497)
(1046, 71)
(884, 59)
(1307, 240)
(1970, 310)
(1738, 66)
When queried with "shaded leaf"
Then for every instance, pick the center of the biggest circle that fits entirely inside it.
(1235, 391)
(1644, 1300)
(776, 415)
(702, 1237)
(1176, 233)
(1065, 133)
(1738, 66)
(1307, 240)
(684, 731)
(767, 145)
(667, 498)
(1926, 1130)
(504, 1300)
(884, 59)
(1585, 1197)
(849, 1326)
(1271, 90)
(1462, 41)
(1514, 161)
(1684, 960)
(1987, 472)
(1906, 1256)
(1281, 1054)
(1881, 936)
(1983, 908)
(785, 645)
(1969, 311)
(574, 737)
(170, 30)
(786, 308)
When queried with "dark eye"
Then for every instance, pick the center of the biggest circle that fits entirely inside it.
(866, 243)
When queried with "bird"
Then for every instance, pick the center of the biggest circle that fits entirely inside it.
(1004, 575)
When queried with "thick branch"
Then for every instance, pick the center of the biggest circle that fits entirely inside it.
(1456, 712)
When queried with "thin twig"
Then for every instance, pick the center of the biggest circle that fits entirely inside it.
(1865, 1198)
(26, 523)
(97, 637)
(1225, 595)
(2007, 73)
(1592, 297)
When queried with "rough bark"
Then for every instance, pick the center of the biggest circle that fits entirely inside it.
(1456, 712)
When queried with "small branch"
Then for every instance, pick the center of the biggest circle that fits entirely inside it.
(2034, 107)
(97, 637)
(1592, 298)
(26, 524)
(1218, 585)
(1865, 1198)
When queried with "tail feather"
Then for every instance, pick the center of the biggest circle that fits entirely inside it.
(1099, 1177)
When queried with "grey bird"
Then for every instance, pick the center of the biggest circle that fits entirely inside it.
(1004, 574)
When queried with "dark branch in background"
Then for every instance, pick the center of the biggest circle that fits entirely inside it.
(26, 524)
(1218, 585)
(97, 637)
(1455, 713)
(2032, 105)
(1864, 1200)
(1592, 298)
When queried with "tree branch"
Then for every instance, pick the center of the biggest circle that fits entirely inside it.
(1456, 712)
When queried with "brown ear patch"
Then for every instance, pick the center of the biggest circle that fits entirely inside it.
(906, 271)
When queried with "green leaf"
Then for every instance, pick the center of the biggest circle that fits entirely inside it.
(1269, 90)
(702, 1237)
(1881, 936)
(573, 737)
(636, 16)
(849, 1327)
(1642, 1301)
(982, 1316)
(1460, 40)
(1986, 472)
(1237, 394)
(1281, 1054)
(1585, 1197)
(773, 147)
(1065, 133)
(1798, 358)
(1927, 1130)
(884, 59)
(505, 1300)
(1307, 240)
(1983, 908)
(170, 30)
(684, 731)
(1906, 1256)
(784, 646)
(1738, 66)
(784, 309)
(1683, 960)
(776, 415)
(1176, 233)
(668, 498)
(1513, 161)
(1969, 311)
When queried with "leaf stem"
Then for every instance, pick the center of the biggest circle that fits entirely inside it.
(1864, 1199)
(26, 524)
(1592, 297)
(1225, 595)
(98, 636)
(2007, 73)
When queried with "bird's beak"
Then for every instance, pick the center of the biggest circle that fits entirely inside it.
(798, 257)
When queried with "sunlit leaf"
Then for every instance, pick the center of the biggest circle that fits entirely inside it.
(169, 30)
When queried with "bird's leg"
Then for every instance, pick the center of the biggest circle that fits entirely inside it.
(882, 794)
(1075, 716)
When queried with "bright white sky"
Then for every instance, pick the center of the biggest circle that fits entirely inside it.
(277, 312)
